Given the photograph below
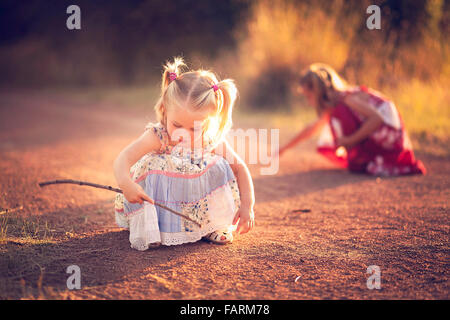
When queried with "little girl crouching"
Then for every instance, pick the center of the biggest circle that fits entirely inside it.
(180, 163)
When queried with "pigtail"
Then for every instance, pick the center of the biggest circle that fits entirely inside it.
(226, 93)
(171, 71)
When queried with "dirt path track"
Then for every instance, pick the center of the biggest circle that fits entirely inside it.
(401, 224)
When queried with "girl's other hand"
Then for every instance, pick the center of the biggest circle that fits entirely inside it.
(345, 142)
(246, 219)
(134, 193)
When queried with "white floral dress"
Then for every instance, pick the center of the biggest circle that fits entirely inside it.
(200, 185)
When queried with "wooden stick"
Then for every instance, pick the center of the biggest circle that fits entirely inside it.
(81, 183)
(95, 185)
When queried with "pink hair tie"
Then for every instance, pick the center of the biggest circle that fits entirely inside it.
(172, 76)
(215, 87)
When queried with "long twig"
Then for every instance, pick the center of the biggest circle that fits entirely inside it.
(81, 183)
(96, 185)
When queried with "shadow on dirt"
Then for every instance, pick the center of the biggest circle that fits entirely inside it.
(104, 257)
(301, 183)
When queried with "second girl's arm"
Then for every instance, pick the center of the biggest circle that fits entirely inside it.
(306, 133)
(360, 104)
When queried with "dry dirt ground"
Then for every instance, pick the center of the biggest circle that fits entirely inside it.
(317, 229)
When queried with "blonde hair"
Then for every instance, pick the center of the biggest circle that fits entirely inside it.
(195, 89)
(322, 79)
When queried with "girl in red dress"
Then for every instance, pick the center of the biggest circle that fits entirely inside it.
(361, 128)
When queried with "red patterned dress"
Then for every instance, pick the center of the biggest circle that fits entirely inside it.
(386, 152)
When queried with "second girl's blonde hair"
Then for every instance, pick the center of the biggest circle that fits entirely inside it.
(195, 90)
(322, 79)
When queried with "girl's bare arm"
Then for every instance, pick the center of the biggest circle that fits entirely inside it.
(306, 133)
(146, 143)
(359, 103)
(245, 214)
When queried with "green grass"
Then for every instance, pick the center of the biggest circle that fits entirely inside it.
(26, 230)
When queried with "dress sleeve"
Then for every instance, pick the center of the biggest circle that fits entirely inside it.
(161, 133)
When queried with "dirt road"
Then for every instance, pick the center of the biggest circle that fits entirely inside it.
(317, 229)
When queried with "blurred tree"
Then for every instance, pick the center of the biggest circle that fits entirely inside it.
(120, 42)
